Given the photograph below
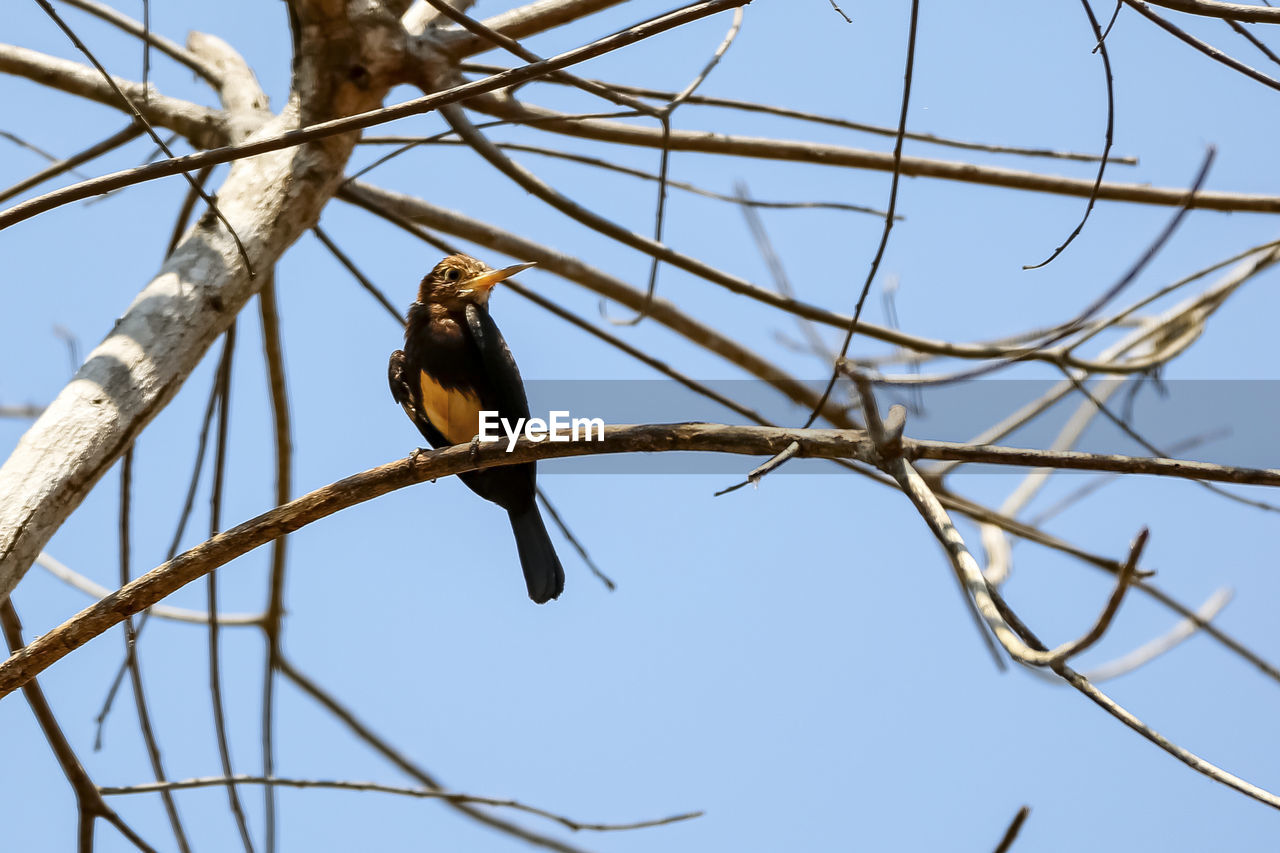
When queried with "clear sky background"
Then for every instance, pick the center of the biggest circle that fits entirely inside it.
(795, 659)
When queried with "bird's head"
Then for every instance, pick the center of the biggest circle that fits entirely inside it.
(459, 280)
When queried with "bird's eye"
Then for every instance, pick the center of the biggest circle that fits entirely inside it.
(453, 274)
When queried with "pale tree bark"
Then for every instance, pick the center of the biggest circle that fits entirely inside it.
(269, 201)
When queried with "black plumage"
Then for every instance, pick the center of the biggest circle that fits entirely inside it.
(454, 364)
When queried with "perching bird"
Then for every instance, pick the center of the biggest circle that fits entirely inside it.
(454, 365)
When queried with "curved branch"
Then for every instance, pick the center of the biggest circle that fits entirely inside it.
(520, 22)
(833, 121)
(205, 127)
(172, 49)
(1230, 11)
(799, 151)
(421, 793)
(150, 588)
(1203, 46)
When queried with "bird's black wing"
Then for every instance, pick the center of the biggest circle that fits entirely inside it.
(505, 385)
(398, 374)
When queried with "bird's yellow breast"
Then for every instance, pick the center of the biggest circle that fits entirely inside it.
(454, 412)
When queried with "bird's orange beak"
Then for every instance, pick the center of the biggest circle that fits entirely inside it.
(487, 280)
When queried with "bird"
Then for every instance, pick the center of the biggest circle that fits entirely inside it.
(456, 364)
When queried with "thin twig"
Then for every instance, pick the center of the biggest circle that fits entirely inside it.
(95, 590)
(360, 277)
(21, 411)
(131, 659)
(1101, 46)
(139, 117)
(1204, 47)
(664, 163)
(512, 46)
(1153, 649)
(781, 282)
(833, 121)
(1229, 11)
(273, 623)
(1078, 322)
(408, 142)
(1155, 451)
(215, 525)
(761, 471)
(423, 793)
(574, 541)
(127, 134)
(1011, 834)
(888, 219)
(1254, 40)
(187, 507)
(142, 31)
(185, 211)
(331, 704)
(89, 802)
(1109, 705)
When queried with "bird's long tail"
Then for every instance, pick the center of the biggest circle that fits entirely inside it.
(543, 574)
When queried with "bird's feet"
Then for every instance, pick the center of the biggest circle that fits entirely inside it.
(475, 448)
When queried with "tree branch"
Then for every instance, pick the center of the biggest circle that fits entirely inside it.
(646, 438)
(1229, 11)
(799, 151)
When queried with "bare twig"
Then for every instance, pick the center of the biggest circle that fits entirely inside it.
(273, 623)
(139, 117)
(89, 802)
(888, 218)
(1206, 48)
(78, 581)
(567, 532)
(512, 46)
(1230, 11)
(664, 163)
(135, 668)
(127, 134)
(1149, 651)
(1262, 47)
(215, 524)
(761, 471)
(1101, 47)
(183, 517)
(20, 411)
(393, 755)
(360, 277)
(423, 793)
(1011, 834)
(139, 30)
(1105, 702)
(833, 121)
(803, 151)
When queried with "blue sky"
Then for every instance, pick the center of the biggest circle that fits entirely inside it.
(795, 659)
